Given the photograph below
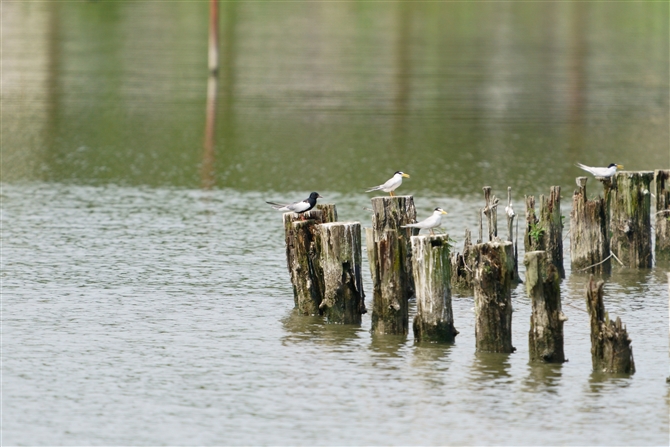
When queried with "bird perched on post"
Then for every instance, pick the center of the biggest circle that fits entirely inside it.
(430, 223)
(391, 184)
(601, 172)
(298, 207)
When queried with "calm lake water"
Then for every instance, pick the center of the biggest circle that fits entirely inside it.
(145, 297)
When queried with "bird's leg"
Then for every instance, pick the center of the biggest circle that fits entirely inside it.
(432, 233)
(391, 192)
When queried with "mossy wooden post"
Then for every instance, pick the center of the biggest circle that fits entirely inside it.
(390, 258)
(493, 298)
(462, 265)
(545, 338)
(434, 320)
(662, 181)
(302, 256)
(630, 219)
(343, 298)
(611, 351)
(546, 231)
(589, 233)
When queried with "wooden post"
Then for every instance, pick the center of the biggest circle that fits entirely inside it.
(630, 220)
(545, 338)
(611, 351)
(546, 232)
(493, 298)
(510, 215)
(589, 234)
(302, 256)
(213, 43)
(340, 260)
(662, 181)
(434, 319)
(462, 265)
(490, 211)
(390, 258)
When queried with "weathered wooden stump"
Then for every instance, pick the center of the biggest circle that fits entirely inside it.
(340, 260)
(546, 232)
(662, 181)
(390, 258)
(434, 319)
(462, 265)
(630, 220)
(545, 338)
(589, 234)
(493, 298)
(611, 351)
(302, 256)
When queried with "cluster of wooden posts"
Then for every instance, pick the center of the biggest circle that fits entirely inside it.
(324, 261)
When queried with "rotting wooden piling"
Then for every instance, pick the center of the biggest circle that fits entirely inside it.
(462, 265)
(390, 259)
(630, 220)
(662, 213)
(340, 260)
(302, 256)
(434, 320)
(611, 351)
(545, 338)
(589, 233)
(546, 232)
(493, 297)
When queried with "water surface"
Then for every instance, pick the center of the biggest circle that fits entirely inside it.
(145, 297)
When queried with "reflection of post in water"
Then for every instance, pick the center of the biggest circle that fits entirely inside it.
(53, 92)
(402, 76)
(490, 366)
(432, 355)
(311, 329)
(222, 64)
(543, 376)
(207, 172)
(387, 345)
(576, 78)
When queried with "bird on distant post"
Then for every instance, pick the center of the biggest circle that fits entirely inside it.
(430, 223)
(607, 172)
(300, 207)
(391, 184)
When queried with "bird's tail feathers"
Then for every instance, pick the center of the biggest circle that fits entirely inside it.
(275, 205)
(374, 188)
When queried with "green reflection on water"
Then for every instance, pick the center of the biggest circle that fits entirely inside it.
(334, 96)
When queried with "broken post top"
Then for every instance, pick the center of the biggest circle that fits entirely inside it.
(435, 240)
(322, 213)
(390, 213)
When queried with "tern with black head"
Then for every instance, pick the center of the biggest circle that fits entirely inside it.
(298, 207)
(601, 172)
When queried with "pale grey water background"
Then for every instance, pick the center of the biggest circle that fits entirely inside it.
(140, 309)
